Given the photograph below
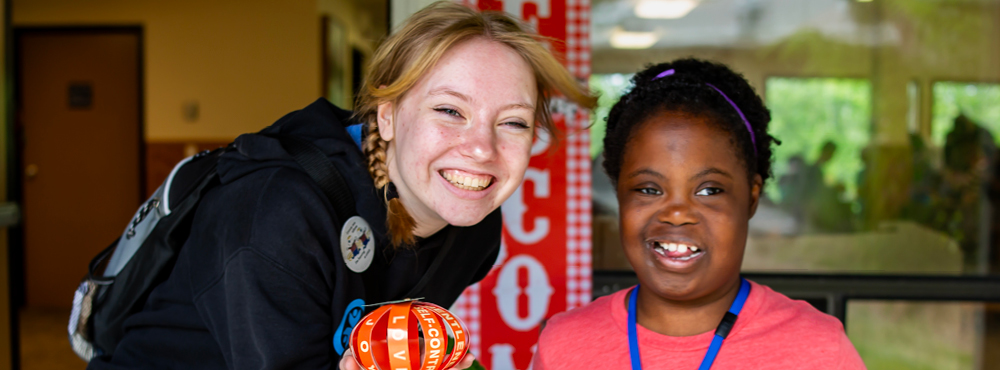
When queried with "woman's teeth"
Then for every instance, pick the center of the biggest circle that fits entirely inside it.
(468, 182)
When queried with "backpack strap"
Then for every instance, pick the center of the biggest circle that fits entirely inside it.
(312, 159)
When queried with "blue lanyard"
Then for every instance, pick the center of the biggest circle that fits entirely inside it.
(721, 332)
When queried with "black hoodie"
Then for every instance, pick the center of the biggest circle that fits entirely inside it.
(261, 283)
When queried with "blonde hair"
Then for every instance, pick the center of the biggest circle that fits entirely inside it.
(399, 63)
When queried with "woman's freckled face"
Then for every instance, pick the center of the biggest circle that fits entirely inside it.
(682, 183)
(460, 139)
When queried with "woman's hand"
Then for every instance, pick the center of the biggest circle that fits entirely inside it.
(348, 363)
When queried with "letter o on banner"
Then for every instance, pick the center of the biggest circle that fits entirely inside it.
(507, 292)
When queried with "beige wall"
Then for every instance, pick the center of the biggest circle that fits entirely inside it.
(245, 62)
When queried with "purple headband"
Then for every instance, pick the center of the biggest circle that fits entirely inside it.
(753, 138)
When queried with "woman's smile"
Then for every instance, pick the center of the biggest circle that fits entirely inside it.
(466, 180)
(467, 187)
(460, 140)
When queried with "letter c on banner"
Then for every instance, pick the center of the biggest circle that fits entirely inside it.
(514, 209)
(507, 292)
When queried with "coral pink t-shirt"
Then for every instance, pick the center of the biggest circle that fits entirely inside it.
(772, 332)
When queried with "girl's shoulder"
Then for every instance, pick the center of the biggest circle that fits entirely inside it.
(776, 309)
(782, 326)
(602, 306)
(569, 339)
(596, 316)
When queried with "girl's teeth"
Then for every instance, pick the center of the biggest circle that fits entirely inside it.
(674, 247)
(659, 250)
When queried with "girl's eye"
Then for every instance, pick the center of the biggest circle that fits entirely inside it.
(648, 191)
(448, 111)
(708, 191)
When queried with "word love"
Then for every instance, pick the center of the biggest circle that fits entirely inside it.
(409, 336)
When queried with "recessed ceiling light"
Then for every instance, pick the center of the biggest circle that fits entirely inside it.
(664, 9)
(621, 39)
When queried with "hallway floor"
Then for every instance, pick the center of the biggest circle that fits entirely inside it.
(44, 343)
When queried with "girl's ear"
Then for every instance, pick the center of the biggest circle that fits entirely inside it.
(756, 187)
(384, 118)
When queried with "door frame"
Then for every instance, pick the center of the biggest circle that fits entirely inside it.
(15, 145)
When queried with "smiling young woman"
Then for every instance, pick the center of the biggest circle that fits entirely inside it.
(512, 72)
(441, 138)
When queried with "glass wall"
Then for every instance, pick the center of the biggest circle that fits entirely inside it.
(888, 112)
(889, 117)
(917, 335)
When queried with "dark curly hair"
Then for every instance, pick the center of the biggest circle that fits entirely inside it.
(689, 90)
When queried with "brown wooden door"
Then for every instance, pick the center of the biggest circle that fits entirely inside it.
(79, 114)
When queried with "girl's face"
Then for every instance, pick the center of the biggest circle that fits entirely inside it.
(685, 202)
(460, 139)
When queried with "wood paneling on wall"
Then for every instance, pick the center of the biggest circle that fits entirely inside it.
(161, 157)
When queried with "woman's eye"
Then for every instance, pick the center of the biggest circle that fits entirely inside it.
(448, 111)
(708, 191)
(517, 124)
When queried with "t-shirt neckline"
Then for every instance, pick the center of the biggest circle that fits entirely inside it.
(619, 314)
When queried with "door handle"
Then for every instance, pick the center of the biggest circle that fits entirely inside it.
(30, 171)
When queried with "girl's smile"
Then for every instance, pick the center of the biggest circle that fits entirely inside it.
(678, 256)
(685, 201)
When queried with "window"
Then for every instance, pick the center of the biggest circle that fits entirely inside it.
(888, 176)
(917, 335)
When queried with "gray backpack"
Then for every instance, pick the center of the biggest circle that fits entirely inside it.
(143, 256)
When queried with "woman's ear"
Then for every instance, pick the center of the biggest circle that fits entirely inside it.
(386, 126)
(756, 187)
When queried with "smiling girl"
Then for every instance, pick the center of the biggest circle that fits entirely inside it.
(688, 151)
(268, 279)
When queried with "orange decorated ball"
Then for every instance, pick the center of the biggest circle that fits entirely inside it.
(390, 338)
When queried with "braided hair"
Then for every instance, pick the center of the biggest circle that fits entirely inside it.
(694, 87)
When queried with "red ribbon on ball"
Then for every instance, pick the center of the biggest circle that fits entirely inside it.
(389, 337)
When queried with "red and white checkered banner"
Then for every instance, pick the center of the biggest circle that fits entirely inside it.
(544, 266)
